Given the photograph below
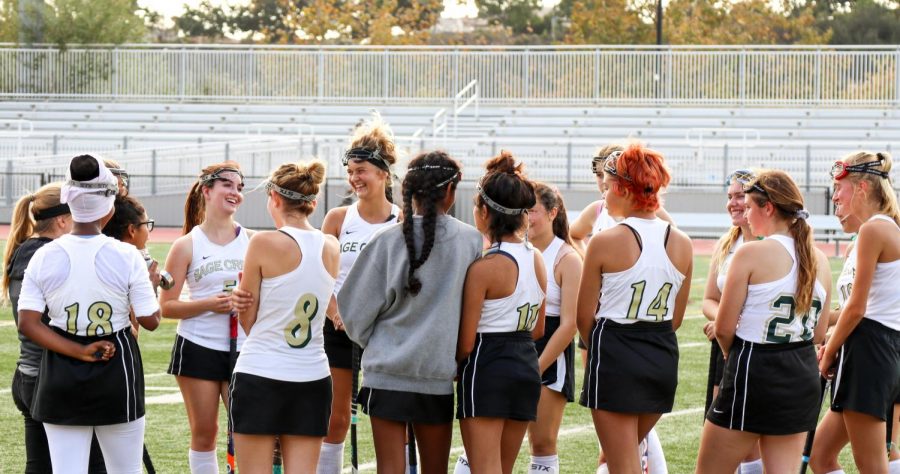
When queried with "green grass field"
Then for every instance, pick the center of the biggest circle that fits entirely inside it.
(167, 432)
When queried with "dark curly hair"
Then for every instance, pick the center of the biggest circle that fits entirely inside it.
(428, 179)
(506, 184)
(128, 212)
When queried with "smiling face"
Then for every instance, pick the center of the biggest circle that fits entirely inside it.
(366, 179)
(225, 195)
(736, 206)
(540, 220)
(844, 199)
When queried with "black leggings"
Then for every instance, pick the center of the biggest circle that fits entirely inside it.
(37, 454)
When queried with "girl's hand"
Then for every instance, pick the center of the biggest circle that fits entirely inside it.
(154, 274)
(98, 351)
(221, 303)
(710, 330)
(338, 322)
(241, 300)
(826, 362)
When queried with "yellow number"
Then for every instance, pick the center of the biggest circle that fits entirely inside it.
(298, 333)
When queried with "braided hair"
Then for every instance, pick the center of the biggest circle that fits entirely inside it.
(428, 179)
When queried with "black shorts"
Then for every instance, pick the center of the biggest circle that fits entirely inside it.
(769, 389)
(560, 375)
(500, 378)
(77, 393)
(632, 368)
(338, 347)
(264, 406)
(193, 360)
(406, 407)
(867, 372)
(717, 361)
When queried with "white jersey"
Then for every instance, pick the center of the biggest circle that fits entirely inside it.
(553, 290)
(603, 219)
(518, 311)
(883, 303)
(356, 232)
(723, 268)
(768, 315)
(214, 269)
(89, 285)
(286, 341)
(647, 290)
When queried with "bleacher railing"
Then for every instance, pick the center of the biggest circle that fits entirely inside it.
(857, 76)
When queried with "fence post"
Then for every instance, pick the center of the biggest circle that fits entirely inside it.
(817, 82)
(455, 86)
(742, 78)
(55, 144)
(568, 165)
(526, 66)
(384, 75)
(124, 143)
(808, 165)
(153, 173)
(9, 183)
(897, 77)
(596, 75)
(182, 71)
(320, 69)
(725, 167)
(114, 77)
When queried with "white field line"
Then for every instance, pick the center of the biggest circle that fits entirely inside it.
(164, 399)
(456, 451)
(6, 324)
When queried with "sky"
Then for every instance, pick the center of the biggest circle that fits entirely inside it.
(170, 8)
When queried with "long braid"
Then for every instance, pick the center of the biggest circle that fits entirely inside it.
(412, 283)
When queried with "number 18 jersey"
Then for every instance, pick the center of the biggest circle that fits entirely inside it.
(286, 341)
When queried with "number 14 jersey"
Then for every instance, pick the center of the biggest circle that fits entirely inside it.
(286, 341)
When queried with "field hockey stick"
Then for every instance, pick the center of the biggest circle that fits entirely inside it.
(277, 463)
(411, 447)
(890, 428)
(148, 463)
(715, 353)
(354, 418)
(807, 448)
(232, 359)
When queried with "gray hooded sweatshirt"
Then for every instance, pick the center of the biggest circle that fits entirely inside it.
(409, 341)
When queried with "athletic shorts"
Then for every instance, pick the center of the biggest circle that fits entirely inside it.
(717, 362)
(769, 389)
(406, 407)
(193, 360)
(500, 378)
(338, 347)
(867, 372)
(76, 393)
(632, 368)
(264, 406)
(560, 375)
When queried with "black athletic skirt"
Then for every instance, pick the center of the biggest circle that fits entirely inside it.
(193, 360)
(406, 407)
(560, 375)
(500, 378)
(632, 368)
(338, 347)
(769, 389)
(264, 406)
(76, 393)
(867, 372)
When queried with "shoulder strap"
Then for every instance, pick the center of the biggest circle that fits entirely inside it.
(637, 236)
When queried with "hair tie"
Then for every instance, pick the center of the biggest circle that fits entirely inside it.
(32, 197)
(802, 214)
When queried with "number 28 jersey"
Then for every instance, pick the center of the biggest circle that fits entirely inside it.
(647, 290)
(769, 314)
(286, 341)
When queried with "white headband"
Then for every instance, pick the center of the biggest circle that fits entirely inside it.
(92, 199)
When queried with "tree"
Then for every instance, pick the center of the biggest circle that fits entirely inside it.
(521, 16)
(65, 22)
(607, 22)
(867, 22)
(207, 20)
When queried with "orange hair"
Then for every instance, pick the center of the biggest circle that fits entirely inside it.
(644, 172)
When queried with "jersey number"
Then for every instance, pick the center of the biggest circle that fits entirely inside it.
(99, 319)
(845, 291)
(229, 285)
(659, 307)
(527, 316)
(298, 332)
(786, 303)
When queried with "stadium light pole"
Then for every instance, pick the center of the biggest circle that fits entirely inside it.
(659, 17)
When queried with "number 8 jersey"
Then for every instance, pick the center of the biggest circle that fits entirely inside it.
(769, 315)
(647, 290)
(286, 341)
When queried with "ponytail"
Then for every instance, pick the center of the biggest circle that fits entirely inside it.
(806, 264)
(194, 207)
(23, 225)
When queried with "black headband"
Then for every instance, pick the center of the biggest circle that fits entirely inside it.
(365, 154)
(53, 211)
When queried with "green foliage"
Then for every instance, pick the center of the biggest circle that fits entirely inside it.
(867, 22)
(65, 22)
(207, 20)
(520, 16)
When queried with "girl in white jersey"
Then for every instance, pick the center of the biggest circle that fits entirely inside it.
(208, 258)
(642, 300)
(368, 161)
(499, 382)
(724, 251)
(548, 230)
(774, 305)
(91, 378)
(862, 356)
(281, 384)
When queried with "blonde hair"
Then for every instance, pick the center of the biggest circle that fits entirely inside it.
(300, 177)
(24, 225)
(787, 199)
(885, 199)
(376, 134)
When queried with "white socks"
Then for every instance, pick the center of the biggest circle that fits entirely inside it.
(655, 456)
(331, 458)
(603, 469)
(462, 465)
(839, 471)
(752, 467)
(544, 465)
(894, 467)
(203, 462)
